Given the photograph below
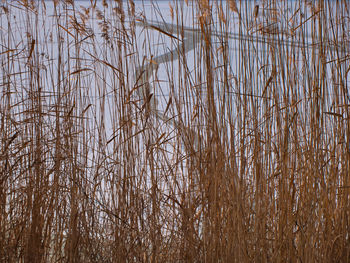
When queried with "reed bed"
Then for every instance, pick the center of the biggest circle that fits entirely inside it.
(226, 139)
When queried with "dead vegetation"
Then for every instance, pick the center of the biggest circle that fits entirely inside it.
(238, 153)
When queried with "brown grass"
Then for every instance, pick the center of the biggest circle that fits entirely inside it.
(241, 154)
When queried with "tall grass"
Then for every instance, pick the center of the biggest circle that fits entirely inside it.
(228, 143)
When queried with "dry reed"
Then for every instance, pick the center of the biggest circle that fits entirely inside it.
(238, 153)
